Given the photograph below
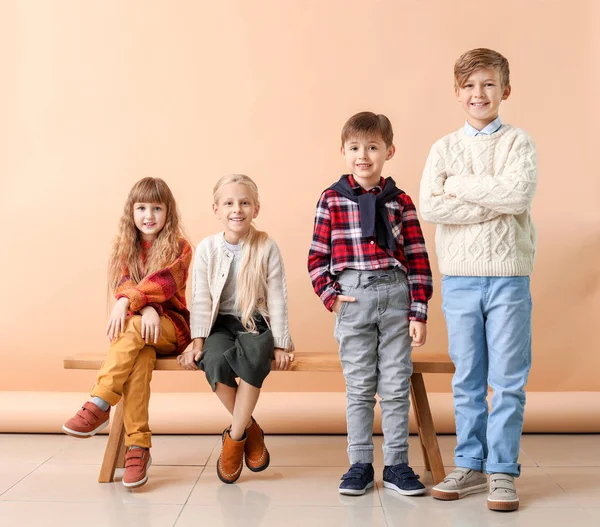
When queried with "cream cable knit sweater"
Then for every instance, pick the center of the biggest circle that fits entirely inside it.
(479, 192)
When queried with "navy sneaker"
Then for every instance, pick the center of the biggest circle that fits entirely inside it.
(402, 479)
(358, 479)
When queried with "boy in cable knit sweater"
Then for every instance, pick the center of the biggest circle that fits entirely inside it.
(477, 186)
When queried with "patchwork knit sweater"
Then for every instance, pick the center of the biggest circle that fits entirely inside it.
(479, 192)
(164, 290)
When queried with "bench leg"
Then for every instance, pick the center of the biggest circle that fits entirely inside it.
(427, 436)
(121, 455)
(114, 447)
(419, 428)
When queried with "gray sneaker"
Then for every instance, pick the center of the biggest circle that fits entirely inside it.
(503, 494)
(459, 483)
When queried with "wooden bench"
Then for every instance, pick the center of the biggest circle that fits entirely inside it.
(423, 362)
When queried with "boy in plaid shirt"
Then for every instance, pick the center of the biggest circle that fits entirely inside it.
(369, 265)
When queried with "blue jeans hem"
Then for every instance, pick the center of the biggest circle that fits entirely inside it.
(514, 469)
(473, 464)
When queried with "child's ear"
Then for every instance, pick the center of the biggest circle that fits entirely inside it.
(391, 152)
(342, 150)
(457, 92)
(256, 209)
(215, 210)
(506, 92)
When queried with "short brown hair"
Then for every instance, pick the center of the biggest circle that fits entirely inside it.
(476, 59)
(367, 124)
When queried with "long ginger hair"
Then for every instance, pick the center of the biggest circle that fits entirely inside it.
(127, 249)
(251, 286)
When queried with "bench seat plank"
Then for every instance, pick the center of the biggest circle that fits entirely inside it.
(315, 361)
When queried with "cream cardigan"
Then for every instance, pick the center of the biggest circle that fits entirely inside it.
(211, 268)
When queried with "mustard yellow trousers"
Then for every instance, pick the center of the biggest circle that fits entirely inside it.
(127, 372)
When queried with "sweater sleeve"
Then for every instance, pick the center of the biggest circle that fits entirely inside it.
(159, 286)
(277, 299)
(319, 256)
(438, 206)
(201, 304)
(509, 193)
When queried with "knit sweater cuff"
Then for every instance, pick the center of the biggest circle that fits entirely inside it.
(200, 333)
(284, 343)
(137, 299)
(418, 311)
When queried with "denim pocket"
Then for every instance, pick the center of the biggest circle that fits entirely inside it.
(346, 291)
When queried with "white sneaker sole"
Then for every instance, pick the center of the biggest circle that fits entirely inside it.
(416, 492)
(503, 505)
(141, 482)
(359, 492)
(84, 435)
(459, 493)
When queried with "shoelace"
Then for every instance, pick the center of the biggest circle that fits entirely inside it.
(403, 471)
(356, 472)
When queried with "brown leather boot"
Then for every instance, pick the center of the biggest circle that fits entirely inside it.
(257, 455)
(231, 460)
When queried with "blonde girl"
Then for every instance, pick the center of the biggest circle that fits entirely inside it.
(239, 320)
(148, 270)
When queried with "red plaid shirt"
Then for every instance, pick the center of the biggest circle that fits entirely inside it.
(337, 245)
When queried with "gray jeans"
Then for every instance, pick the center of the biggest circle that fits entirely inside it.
(375, 351)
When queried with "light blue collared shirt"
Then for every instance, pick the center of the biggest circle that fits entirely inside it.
(491, 128)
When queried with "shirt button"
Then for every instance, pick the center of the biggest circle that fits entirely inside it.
(376, 266)
(372, 242)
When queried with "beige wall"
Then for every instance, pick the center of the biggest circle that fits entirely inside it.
(95, 95)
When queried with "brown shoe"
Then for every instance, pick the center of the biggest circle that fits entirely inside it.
(230, 462)
(137, 463)
(88, 421)
(257, 455)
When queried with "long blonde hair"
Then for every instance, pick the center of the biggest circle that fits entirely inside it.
(251, 286)
(125, 257)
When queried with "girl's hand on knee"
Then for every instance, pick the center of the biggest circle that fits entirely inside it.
(188, 359)
(116, 321)
(150, 325)
(283, 359)
(418, 331)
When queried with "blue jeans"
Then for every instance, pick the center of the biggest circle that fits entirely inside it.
(489, 337)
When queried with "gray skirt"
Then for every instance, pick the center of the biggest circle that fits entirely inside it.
(230, 351)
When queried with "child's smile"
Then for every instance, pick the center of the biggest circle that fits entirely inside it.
(149, 218)
(236, 209)
(481, 95)
(365, 157)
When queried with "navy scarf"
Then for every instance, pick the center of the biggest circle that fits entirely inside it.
(374, 220)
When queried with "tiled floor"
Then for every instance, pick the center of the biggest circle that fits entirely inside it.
(52, 480)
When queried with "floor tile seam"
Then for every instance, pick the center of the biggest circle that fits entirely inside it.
(569, 466)
(284, 506)
(179, 514)
(72, 502)
(25, 476)
(385, 516)
(187, 499)
(559, 485)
